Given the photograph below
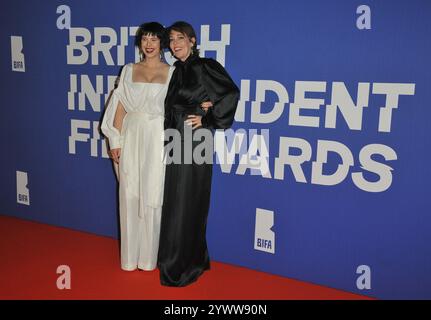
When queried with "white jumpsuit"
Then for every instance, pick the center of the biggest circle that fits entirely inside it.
(141, 169)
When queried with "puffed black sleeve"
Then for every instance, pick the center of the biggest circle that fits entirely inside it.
(222, 92)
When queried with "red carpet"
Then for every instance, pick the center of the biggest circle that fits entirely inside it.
(31, 252)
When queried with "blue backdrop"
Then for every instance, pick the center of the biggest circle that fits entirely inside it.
(343, 75)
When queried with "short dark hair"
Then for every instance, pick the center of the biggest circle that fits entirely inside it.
(153, 29)
(186, 29)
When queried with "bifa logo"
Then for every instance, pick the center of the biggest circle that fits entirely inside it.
(18, 63)
(22, 192)
(264, 237)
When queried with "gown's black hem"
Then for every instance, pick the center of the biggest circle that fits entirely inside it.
(191, 281)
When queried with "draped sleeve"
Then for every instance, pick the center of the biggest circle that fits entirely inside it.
(222, 92)
(107, 127)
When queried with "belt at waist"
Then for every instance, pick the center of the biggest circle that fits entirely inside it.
(145, 114)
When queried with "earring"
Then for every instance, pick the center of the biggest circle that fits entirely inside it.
(141, 56)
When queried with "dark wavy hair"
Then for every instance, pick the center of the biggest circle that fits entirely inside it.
(152, 29)
(186, 29)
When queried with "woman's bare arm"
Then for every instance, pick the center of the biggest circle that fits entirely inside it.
(119, 116)
(118, 124)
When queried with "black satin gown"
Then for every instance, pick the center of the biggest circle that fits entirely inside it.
(183, 254)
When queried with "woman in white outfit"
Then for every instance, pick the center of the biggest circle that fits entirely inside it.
(134, 124)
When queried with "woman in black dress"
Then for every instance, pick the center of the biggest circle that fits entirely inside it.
(196, 84)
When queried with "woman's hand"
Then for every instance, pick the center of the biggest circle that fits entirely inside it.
(194, 121)
(115, 154)
(206, 105)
